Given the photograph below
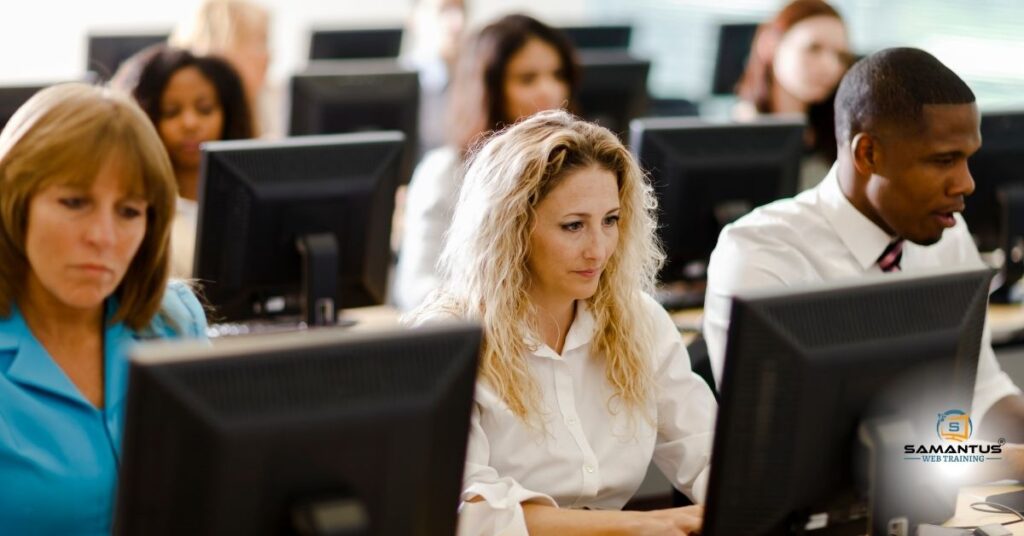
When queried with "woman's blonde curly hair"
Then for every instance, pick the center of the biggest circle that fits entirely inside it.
(484, 260)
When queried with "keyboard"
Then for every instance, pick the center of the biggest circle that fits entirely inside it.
(253, 327)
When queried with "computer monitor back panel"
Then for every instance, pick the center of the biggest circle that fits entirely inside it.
(12, 97)
(334, 97)
(257, 198)
(707, 175)
(616, 37)
(613, 89)
(107, 52)
(228, 440)
(995, 166)
(355, 43)
(804, 368)
(734, 42)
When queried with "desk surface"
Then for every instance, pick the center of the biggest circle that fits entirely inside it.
(372, 318)
(1005, 321)
(967, 517)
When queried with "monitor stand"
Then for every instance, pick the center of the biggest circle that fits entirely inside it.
(319, 254)
(902, 492)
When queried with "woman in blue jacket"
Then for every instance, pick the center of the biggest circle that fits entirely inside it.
(86, 200)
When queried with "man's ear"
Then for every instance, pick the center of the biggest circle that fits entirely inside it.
(865, 153)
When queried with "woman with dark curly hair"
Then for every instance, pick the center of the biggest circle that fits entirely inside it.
(190, 99)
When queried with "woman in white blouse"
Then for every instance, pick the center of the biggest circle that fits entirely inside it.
(584, 379)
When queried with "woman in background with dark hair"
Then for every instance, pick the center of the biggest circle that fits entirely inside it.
(510, 70)
(795, 65)
(190, 99)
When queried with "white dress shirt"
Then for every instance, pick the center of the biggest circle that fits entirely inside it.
(586, 457)
(429, 205)
(820, 236)
(183, 238)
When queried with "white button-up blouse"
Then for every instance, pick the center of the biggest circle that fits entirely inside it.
(589, 454)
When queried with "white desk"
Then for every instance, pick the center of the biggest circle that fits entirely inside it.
(1006, 322)
(372, 318)
(965, 516)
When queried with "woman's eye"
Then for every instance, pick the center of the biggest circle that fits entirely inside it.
(131, 212)
(611, 220)
(573, 226)
(72, 202)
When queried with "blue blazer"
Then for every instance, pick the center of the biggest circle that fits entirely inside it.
(59, 454)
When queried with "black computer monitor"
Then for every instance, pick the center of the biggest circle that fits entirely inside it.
(107, 52)
(811, 373)
(357, 96)
(995, 212)
(298, 227)
(995, 167)
(359, 43)
(317, 432)
(12, 97)
(707, 175)
(734, 42)
(613, 89)
(599, 36)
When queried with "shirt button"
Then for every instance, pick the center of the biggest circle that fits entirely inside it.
(571, 420)
(588, 468)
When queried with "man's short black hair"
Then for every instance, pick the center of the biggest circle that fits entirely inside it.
(890, 87)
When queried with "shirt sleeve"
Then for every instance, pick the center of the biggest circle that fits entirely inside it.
(734, 268)
(991, 383)
(428, 212)
(500, 512)
(686, 413)
(183, 312)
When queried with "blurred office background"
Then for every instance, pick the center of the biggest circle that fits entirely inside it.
(45, 40)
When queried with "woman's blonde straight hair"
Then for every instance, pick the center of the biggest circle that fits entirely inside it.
(484, 260)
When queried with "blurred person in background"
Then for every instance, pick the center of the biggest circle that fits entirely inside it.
(511, 69)
(430, 44)
(238, 31)
(795, 65)
(190, 100)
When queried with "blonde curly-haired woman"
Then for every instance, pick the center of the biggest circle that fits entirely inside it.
(584, 378)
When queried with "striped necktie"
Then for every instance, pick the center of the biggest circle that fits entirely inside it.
(889, 261)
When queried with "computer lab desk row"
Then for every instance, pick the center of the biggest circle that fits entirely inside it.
(1005, 321)
(1007, 325)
